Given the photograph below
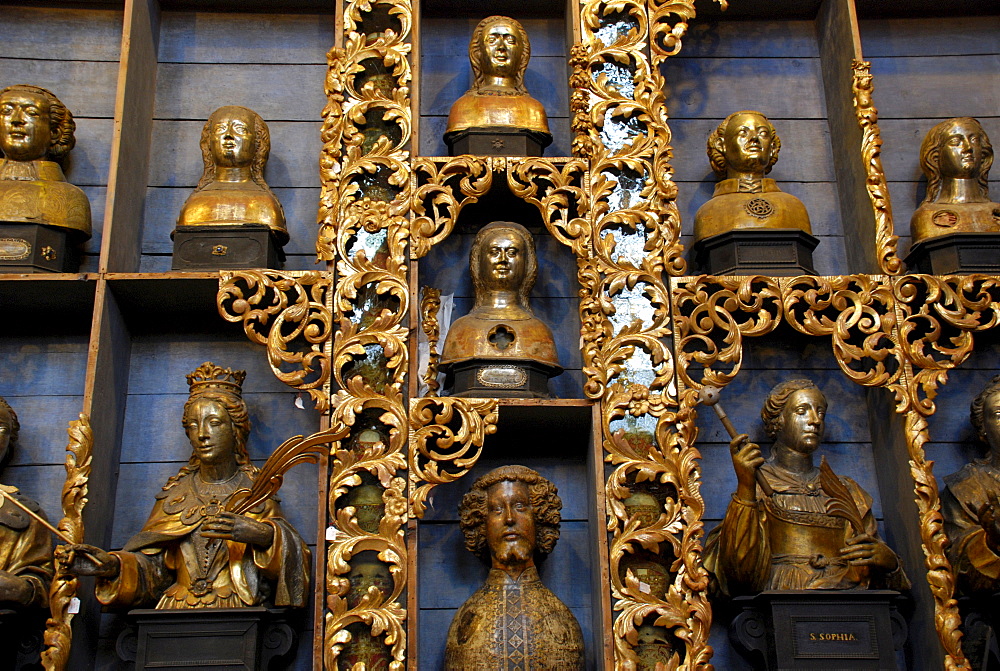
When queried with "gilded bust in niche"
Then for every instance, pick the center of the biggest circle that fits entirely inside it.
(742, 150)
(37, 133)
(498, 51)
(956, 156)
(235, 144)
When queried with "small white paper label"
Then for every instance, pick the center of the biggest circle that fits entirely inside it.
(74, 606)
(332, 534)
(644, 587)
(299, 404)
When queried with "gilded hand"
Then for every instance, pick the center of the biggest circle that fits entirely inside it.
(239, 528)
(866, 550)
(746, 460)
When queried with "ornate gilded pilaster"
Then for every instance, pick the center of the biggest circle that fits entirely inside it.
(871, 152)
(364, 229)
(620, 121)
(62, 591)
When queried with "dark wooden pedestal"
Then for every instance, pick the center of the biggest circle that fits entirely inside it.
(21, 640)
(781, 252)
(508, 378)
(233, 639)
(226, 248)
(819, 629)
(34, 248)
(498, 141)
(956, 254)
(980, 626)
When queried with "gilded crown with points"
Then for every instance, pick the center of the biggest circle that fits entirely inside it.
(208, 376)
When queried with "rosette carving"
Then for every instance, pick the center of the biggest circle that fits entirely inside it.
(446, 441)
(58, 630)
(290, 314)
(871, 151)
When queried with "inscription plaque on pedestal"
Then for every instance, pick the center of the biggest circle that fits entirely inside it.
(819, 629)
(956, 254)
(226, 247)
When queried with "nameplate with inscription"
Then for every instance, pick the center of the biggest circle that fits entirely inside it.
(502, 377)
(834, 637)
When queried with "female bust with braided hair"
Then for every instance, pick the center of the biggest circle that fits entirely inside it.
(192, 553)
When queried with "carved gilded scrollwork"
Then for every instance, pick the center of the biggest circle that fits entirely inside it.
(446, 440)
(444, 187)
(430, 303)
(556, 188)
(871, 152)
(58, 630)
(665, 37)
(382, 612)
(290, 314)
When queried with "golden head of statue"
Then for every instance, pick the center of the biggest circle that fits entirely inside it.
(36, 135)
(501, 328)
(956, 157)
(235, 144)
(25, 544)
(742, 150)
(510, 519)
(193, 552)
(499, 53)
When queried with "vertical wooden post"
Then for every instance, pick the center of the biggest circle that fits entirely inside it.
(123, 214)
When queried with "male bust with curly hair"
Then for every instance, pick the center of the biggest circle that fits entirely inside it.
(36, 135)
(510, 519)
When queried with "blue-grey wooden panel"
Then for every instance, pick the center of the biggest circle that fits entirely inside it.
(450, 37)
(938, 36)
(48, 33)
(44, 420)
(50, 366)
(751, 39)
(702, 88)
(206, 37)
(286, 92)
(293, 162)
(449, 574)
(163, 205)
(87, 88)
(935, 87)
(89, 161)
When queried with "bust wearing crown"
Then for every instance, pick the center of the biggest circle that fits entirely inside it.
(499, 51)
(501, 342)
(956, 157)
(235, 144)
(36, 134)
(192, 553)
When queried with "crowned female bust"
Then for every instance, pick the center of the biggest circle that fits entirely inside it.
(956, 157)
(235, 144)
(499, 51)
(36, 135)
